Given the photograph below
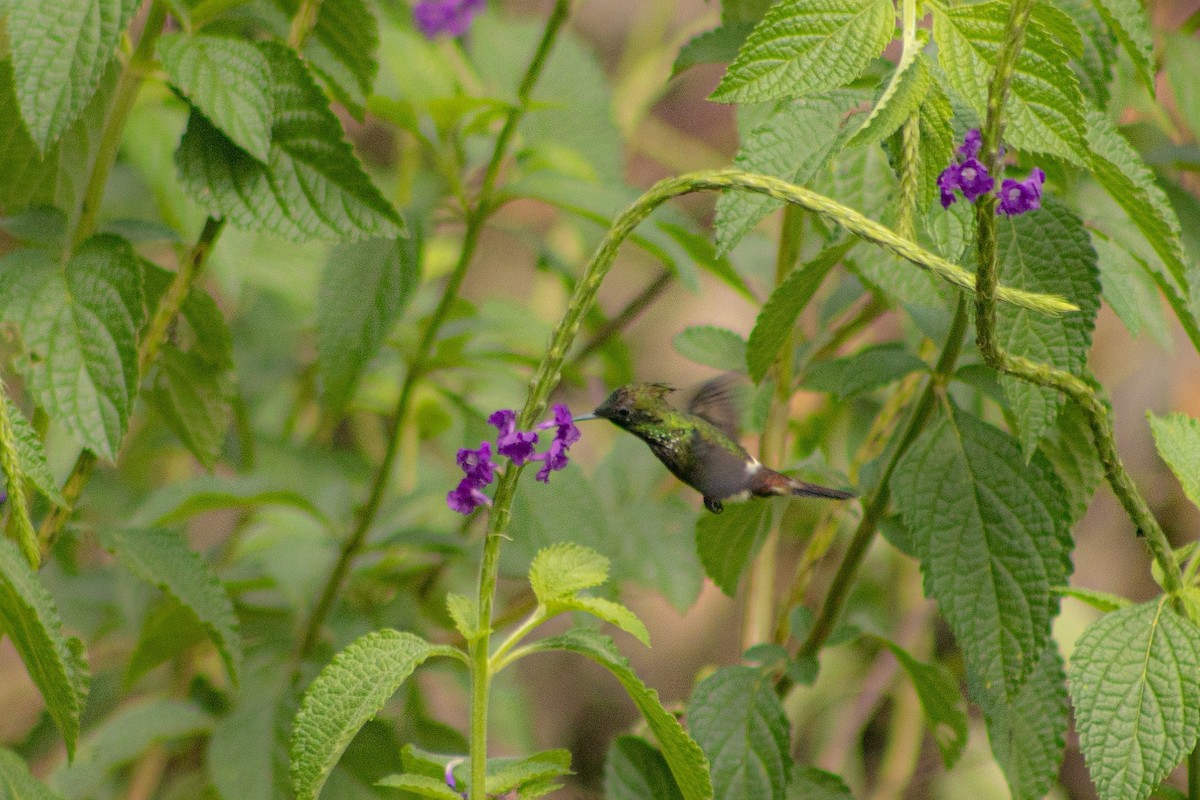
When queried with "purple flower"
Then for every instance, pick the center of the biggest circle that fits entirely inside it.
(566, 431)
(552, 460)
(971, 144)
(1017, 197)
(973, 179)
(466, 497)
(477, 464)
(450, 17)
(947, 182)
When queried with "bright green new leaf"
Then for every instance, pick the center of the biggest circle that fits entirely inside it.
(1129, 22)
(311, 186)
(420, 785)
(1046, 251)
(719, 348)
(349, 691)
(505, 775)
(562, 569)
(727, 541)
(683, 755)
(865, 371)
(1045, 108)
(941, 702)
(464, 613)
(810, 783)
(1027, 731)
(163, 558)
(1177, 437)
(18, 781)
(899, 97)
(365, 287)
(79, 325)
(55, 663)
(31, 457)
(194, 397)
(229, 81)
(991, 532)
(739, 723)
(1136, 692)
(801, 48)
(1071, 448)
(609, 611)
(636, 770)
(1101, 601)
(60, 50)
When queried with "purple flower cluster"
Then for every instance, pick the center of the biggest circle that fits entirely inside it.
(450, 17)
(969, 176)
(519, 447)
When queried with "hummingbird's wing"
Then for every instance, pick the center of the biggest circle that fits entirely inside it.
(716, 402)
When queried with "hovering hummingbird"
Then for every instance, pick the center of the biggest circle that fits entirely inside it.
(699, 445)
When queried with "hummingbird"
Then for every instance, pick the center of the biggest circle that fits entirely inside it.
(699, 445)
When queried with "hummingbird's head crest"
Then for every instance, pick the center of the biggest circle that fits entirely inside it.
(635, 404)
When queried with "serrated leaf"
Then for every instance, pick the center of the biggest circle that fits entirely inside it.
(937, 144)
(18, 782)
(562, 569)
(941, 703)
(168, 629)
(349, 691)
(464, 613)
(365, 287)
(163, 558)
(1044, 108)
(55, 662)
(1028, 731)
(341, 48)
(196, 401)
(778, 315)
(421, 785)
(1177, 437)
(1101, 601)
(810, 783)
(1130, 290)
(801, 48)
(229, 81)
(1094, 67)
(865, 371)
(635, 770)
(684, 757)
(727, 541)
(60, 50)
(505, 775)
(312, 186)
(739, 723)
(718, 46)
(123, 737)
(1047, 251)
(795, 141)
(1071, 449)
(899, 98)
(609, 611)
(1128, 21)
(79, 325)
(1136, 696)
(711, 346)
(1120, 170)
(1061, 27)
(992, 536)
(32, 457)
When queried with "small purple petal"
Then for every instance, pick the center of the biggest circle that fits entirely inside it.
(567, 432)
(504, 420)
(450, 17)
(466, 497)
(974, 180)
(972, 142)
(552, 460)
(1017, 197)
(477, 464)
(517, 445)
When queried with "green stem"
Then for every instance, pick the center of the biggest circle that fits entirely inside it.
(1074, 387)
(497, 661)
(124, 98)
(475, 222)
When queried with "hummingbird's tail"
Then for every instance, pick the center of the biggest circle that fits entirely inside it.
(771, 482)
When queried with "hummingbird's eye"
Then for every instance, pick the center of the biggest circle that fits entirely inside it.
(622, 412)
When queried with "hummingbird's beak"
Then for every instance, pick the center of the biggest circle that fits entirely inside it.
(584, 417)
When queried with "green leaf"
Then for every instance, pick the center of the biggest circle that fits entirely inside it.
(125, 736)
(312, 186)
(1101, 601)
(504, 775)
(247, 754)
(1061, 27)
(1136, 696)
(1027, 732)
(899, 97)
(608, 611)
(464, 612)
(60, 50)
(168, 629)
(422, 785)
(55, 663)
(719, 348)
(1047, 251)
(865, 371)
(1129, 288)
(743, 10)
(778, 315)
(738, 722)
(365, 288)
(810, 783)
(182, 501)
(991, 532)
(1094, 66)
(941, 702)
(32, 457)
(636, 770)
(727, 541)
(794, 142)
(934, 122)
(79, 325)
(1045, 108)
(18, 782)
(349, 691)
(1120, 170)
(718, 46)
(562, 569)
(163, 558)
(229, 81)
(1128, 21)
(195, 399)
(1182, 60)
(341, 48)
(1177, 438)
(801, 48)
(1070, 447)
(684, 757)
(210, 336)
